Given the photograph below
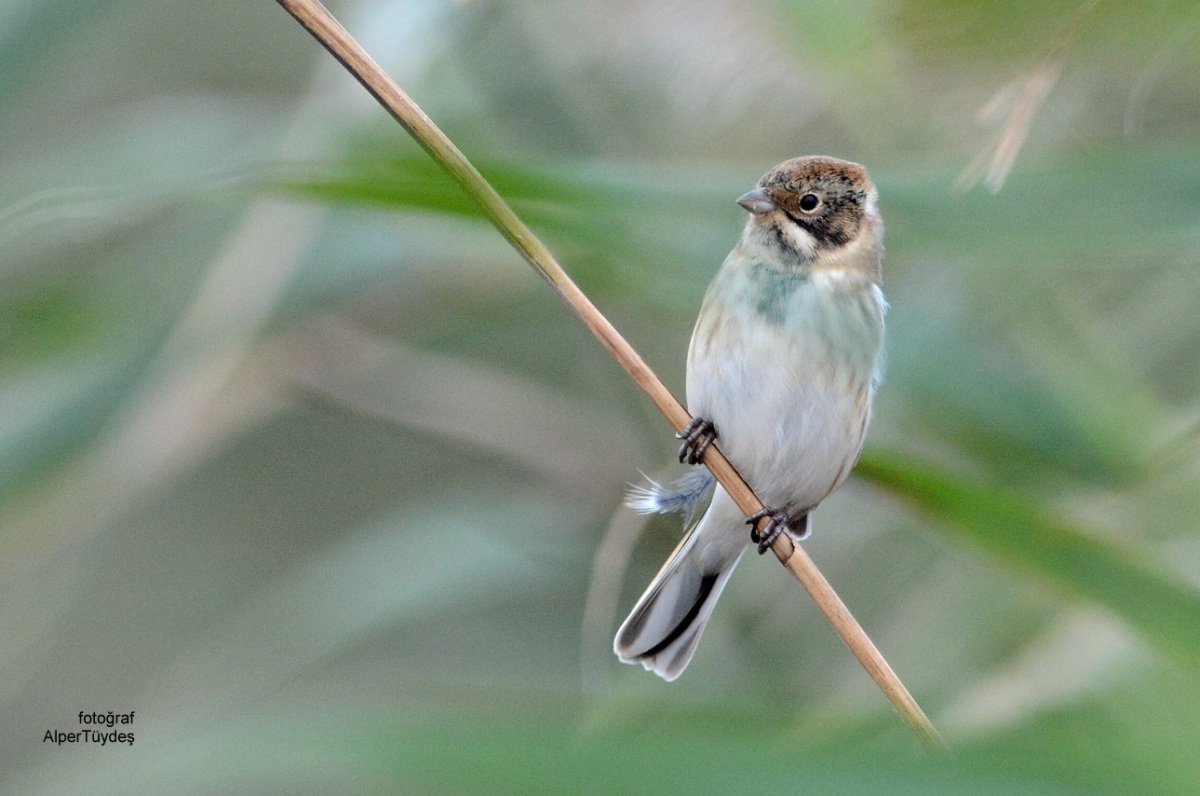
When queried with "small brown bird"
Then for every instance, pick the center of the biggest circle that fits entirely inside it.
(782, 369)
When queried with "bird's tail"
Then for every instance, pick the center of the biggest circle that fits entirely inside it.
(664, 627)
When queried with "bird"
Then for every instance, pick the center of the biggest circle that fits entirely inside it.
(782, 369)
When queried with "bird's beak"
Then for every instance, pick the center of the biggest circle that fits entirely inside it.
(757, 202)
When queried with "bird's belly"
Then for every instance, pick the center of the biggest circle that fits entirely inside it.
(790, 409)
(795, 440)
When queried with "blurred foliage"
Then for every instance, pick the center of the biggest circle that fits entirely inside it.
(299, 462)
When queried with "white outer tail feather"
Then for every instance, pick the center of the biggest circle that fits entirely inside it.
(664, 628)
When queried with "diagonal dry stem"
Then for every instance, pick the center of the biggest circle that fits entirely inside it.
(342, 46)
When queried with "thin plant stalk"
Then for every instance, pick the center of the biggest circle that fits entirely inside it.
(317, 20)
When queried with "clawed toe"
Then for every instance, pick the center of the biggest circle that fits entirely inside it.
(779, 519)
(697, 436)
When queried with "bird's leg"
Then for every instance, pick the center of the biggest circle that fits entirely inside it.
(696, 436)
(780, 518)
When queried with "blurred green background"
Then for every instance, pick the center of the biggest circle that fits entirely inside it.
(301, 463)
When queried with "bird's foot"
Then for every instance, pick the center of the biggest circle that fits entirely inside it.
(779, 520)
(697, 436)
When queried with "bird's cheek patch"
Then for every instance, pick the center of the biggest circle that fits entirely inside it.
(799, 238)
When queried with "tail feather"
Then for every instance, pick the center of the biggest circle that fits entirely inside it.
(664, 628)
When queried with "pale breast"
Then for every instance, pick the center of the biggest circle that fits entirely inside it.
(784, 365)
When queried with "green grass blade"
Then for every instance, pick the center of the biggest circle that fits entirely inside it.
(1164, 611)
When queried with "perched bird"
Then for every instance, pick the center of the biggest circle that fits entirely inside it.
(781, 370)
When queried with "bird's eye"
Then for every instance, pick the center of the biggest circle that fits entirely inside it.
(809, 202)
